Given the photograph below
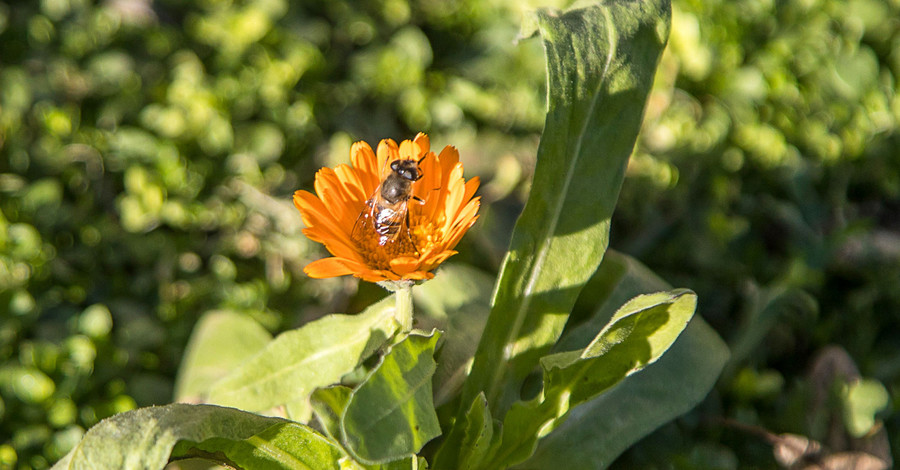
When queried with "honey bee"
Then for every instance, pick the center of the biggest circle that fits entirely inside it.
(387, 211)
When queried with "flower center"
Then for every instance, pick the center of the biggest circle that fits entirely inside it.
(378, 256)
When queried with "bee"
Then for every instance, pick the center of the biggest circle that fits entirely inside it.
(387, 211)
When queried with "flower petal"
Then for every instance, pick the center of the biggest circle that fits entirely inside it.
(353, 184)
(322, 227)
(404, 264)
(363, 159)
(418, 275)
(449, 157)
(331, 267)
(428, 188)
(424, 144)
(387, 152)
(456, 190)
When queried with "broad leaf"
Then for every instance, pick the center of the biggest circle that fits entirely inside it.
(638, 334)
(479, 434)
(146, 438)
(391, 415)
(328, 405)
(298, 361)
(642, 402)
(600, 66)
(220, 342)
(285, 445)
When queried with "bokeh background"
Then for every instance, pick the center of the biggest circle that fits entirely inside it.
(148, 151)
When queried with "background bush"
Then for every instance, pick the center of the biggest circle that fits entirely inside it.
(148, 152)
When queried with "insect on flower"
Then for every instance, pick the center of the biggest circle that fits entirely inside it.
(395, 214)
(387, 211)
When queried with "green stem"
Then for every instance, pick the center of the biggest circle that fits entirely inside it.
(404, 313)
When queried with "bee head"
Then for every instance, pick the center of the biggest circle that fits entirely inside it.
(407, 169)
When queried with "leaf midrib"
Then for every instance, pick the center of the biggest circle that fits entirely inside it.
(522, 311)
(356, 338)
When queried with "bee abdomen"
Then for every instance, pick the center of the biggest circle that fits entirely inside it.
(386, 222)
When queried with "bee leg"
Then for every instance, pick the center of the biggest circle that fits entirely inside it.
(417, 198)
(409, 232)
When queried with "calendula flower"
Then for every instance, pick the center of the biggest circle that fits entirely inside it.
(400, 234)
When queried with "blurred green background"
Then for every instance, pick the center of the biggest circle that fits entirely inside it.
(148, 151)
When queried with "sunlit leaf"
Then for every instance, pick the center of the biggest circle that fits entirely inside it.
(600, 66)
(147, 437)
(479, 433)
(285, 445)
(680, 379)
(638, 334)
(298, 361)
(391, 415)
(601, 61)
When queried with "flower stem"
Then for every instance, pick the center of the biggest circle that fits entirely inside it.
(404, 313)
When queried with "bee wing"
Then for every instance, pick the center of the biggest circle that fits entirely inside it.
(365, 222)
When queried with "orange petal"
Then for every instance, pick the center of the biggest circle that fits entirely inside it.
(353, 184)
(418, 275)
(314, 212)
(363, 159)
(470, 187)
(380, 275)
(331, 267)
(343, 204)
(387, 152)
(455, 191)
(370, 275)
(336, 246)
(449, 157)
(320, 223)
(421, 139)
(428, 189)
(404, 264)
(409, 150)
(456, 232)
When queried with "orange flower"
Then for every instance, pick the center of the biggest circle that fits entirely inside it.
(441, 208)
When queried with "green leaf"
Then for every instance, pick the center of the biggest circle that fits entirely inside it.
(479, 433)
(862, 400)
(297, 362)
(600, 63)
(457, 302)
(391, 414)
(285, 445)
(600, 66)
(146, 438)
(619, 279)
(642, 402)
(328, 405)
(221, 341)
(638, 334)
